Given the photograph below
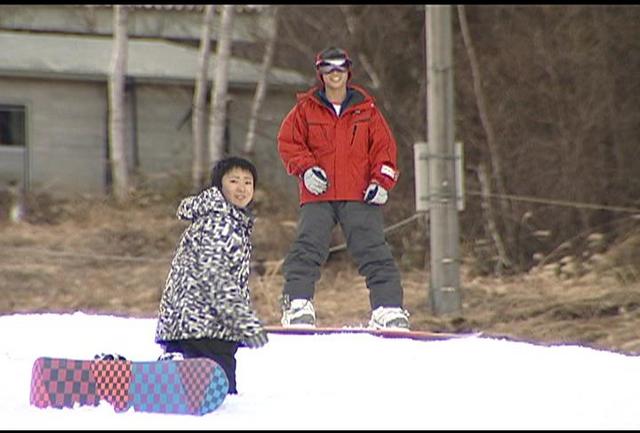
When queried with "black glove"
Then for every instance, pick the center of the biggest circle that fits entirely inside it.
(257, 340)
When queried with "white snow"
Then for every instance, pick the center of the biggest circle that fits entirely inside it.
(343, 381)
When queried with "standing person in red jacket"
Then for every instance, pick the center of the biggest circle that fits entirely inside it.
(340, 148)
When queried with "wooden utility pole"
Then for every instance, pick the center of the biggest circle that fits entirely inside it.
(444, 292)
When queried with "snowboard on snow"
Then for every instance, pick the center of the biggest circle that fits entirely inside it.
(193, 386)
(387, 333)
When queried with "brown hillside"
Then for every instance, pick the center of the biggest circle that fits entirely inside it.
(98, 258)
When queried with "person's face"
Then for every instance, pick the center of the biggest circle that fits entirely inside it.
(237, 186)
(335, 80)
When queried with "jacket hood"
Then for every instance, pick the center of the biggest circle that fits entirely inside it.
(211, 203)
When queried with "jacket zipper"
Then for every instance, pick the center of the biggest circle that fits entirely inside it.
(353, 136)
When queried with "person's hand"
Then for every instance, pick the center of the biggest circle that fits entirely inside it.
(315, 180)
(375, 194)
(256, 340)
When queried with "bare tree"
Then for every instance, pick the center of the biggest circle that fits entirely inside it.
(198, 167)
(17, 202)
(352, 24)
(490, 221)
(117, 72)
(261, 88)
(218, 115)
(549, 107)
(488, 128)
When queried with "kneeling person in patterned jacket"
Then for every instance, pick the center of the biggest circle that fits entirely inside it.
(205, 309)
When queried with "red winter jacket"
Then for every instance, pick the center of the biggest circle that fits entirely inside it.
(354, 149)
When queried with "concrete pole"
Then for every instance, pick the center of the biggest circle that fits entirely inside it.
(444, 292)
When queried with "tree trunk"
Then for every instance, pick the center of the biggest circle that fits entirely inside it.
(218, 115)
(351, 21)
(503, 260)
(198, 168)
(117, 140)
(486, 124)
(261, 88)
(17, 202)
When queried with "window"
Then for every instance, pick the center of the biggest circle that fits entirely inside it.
(12, 125)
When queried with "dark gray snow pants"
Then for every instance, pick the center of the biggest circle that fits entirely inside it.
(363, 228)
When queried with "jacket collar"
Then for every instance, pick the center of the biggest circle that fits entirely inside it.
(226, 208)
(356, 95)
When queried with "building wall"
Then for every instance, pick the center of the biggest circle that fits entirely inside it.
(67, 134)
(164, 145)
(165, 136)
(66, 123)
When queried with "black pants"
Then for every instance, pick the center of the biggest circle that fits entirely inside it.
(221, 351)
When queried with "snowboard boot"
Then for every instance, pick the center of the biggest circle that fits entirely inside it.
(389, 318)
(298, 312)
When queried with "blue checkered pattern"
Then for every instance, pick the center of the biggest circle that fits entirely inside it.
(156, 387)
(192, 386)
(217, 391)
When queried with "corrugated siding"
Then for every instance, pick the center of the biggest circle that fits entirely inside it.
(66, 132)
(165, 150)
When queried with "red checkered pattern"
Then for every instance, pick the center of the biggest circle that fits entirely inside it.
(113, 379)
(39, 396)
(62, 383)
(196, 378)
(191, 386)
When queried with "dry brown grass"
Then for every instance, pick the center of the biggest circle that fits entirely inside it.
(95, 257)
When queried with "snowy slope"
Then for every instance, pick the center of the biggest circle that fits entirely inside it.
(347, 381)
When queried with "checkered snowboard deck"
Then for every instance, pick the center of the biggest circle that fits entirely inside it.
(192, 386)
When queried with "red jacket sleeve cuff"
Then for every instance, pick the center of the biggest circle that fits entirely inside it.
(386, 176)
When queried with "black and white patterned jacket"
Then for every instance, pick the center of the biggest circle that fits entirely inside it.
(207, 293)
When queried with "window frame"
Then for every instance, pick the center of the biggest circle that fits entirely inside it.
(20, 148)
